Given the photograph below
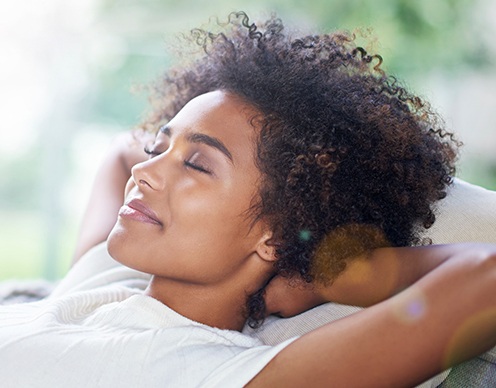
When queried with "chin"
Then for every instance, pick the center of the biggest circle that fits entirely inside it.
(126, 249)
(116, 244)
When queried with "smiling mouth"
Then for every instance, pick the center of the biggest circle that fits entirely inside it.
(138, 211)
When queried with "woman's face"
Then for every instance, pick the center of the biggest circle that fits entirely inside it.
(184, 216)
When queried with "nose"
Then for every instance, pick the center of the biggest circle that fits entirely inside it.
(149, 175)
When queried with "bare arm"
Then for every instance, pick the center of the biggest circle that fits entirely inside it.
(107, 193)
(367, 280)
(447, 316)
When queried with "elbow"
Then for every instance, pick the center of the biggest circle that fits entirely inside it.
(485, 271)
(486, 259)
(490, 266)
(474, 274)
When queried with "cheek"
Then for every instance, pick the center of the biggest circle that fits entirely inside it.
(216, 219)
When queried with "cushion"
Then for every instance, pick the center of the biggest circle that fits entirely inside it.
(467, 214)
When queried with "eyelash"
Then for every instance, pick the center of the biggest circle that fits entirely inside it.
(150, 152)
(196, 167)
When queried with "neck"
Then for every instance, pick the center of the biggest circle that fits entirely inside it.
(221, 306)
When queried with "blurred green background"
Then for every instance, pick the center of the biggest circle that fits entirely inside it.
(70, 76)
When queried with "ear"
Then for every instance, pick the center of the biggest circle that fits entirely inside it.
(265, 250)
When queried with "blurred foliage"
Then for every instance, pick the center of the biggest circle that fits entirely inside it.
(115, 97)
(420, 34)
(19, 179)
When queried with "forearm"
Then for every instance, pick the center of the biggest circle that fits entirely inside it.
(384, 272)
(366, 280)
(446, 317)
(107, 192)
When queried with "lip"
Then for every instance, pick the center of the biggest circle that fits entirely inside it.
(137, 210)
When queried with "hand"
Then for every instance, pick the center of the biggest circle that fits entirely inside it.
(288, 297)
(130, 147)
(107, 194)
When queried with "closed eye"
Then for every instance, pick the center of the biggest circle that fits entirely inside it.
(197, 167)
(152, 153)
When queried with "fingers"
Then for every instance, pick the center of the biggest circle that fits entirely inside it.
(132, 146)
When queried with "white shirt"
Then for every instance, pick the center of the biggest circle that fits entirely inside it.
(99, 330)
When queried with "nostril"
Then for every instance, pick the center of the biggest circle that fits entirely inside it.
(143, 182)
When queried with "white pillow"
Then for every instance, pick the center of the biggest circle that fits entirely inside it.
(467, 214)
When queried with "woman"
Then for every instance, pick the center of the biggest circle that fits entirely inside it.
(275, 158)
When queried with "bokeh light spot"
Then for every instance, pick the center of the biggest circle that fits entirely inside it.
(415, 309)
(305, 235)
(412, 310)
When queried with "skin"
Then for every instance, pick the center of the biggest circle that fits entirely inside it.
(206, 256)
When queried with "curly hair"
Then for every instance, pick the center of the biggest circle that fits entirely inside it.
(350, 159)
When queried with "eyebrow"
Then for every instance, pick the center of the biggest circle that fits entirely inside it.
(202, 139)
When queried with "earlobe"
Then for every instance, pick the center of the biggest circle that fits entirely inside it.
(265, 249)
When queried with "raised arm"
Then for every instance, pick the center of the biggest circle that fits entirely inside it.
(447, 316)
(367, 280)
(107, 192)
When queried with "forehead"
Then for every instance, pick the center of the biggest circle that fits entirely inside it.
(217, 107)
(222, 115)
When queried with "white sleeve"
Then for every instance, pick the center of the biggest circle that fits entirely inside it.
(97, 268)
(242, 368)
